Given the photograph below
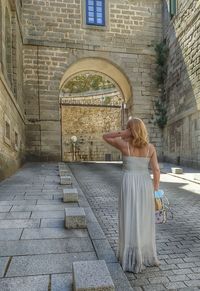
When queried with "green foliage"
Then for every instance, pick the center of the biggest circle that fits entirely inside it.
(162, 52)
(107, 100)
(160, 108)
(161, 113)
(87, 82)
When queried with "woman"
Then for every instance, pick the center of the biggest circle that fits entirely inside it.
(136, 244)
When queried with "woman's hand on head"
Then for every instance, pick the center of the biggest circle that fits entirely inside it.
(126, 133)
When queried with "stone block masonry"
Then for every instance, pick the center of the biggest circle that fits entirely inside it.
(12, 115)
(182, 134)
(55, 37)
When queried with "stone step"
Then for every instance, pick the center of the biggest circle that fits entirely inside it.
(65, 180)
(70, 195)
(64, 172)
(75, 218)
(91, 275)
(177, 170)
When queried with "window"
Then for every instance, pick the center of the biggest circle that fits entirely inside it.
(7, 133)
(95, 12)
(8, 45)
(16, 141)
(172, 7)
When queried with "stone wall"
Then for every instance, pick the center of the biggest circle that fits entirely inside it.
(55, 37)
(12, 120)
(182, 134)
(88, 124)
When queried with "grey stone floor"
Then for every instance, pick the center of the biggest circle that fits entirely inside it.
(178, 241)
(36, 251)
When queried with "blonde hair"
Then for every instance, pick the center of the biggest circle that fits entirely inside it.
(139, 132)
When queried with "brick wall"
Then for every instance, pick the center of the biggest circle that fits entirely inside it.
(89, 124)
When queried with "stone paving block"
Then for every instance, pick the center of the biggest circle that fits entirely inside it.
(43, 233)
(159, 280)
(46, 264)
(119, 278)
(19, 223)
(5, 208)
(61, 282)
(65, 180)
(10, 234)
(83, 202)
(95, 231)
(45, 222)
(75, 218)
(42, 196)
(3, 264)
(92, 275)
(3, 215)
(177, 170)
(18, 202)
(6, 197)
(48, 214)
(104, 250)
(192, 283)
(18, 215)
(70, 195)
(47, 246)
(90, 217)
(42, 207)
(175, 285)
(31, 283)
(152, 287)
(49, 202)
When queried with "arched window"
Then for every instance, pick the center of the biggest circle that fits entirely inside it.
(8, 45)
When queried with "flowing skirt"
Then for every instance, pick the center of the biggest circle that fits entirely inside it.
(136, 243)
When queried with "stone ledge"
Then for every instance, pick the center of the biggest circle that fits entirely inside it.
(92, 275)
(75, 218)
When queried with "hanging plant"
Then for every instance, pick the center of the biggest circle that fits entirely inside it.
(160, 105)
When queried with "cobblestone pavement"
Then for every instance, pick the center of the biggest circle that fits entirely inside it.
(178, 241)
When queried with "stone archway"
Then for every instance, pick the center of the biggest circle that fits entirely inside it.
(89, 145)
(102, 66)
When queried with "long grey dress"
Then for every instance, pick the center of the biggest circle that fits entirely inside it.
(136, 244)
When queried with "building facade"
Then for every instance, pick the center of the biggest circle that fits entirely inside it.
(181, 142)
(45, 43)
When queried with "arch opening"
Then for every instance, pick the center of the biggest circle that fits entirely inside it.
(92, 101)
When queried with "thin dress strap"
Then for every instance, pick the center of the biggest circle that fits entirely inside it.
(128, 148)
(147, 152)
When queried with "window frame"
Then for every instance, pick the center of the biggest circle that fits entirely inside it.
(6, 139)
(16, 145)
(173, 8)
(87, 24)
